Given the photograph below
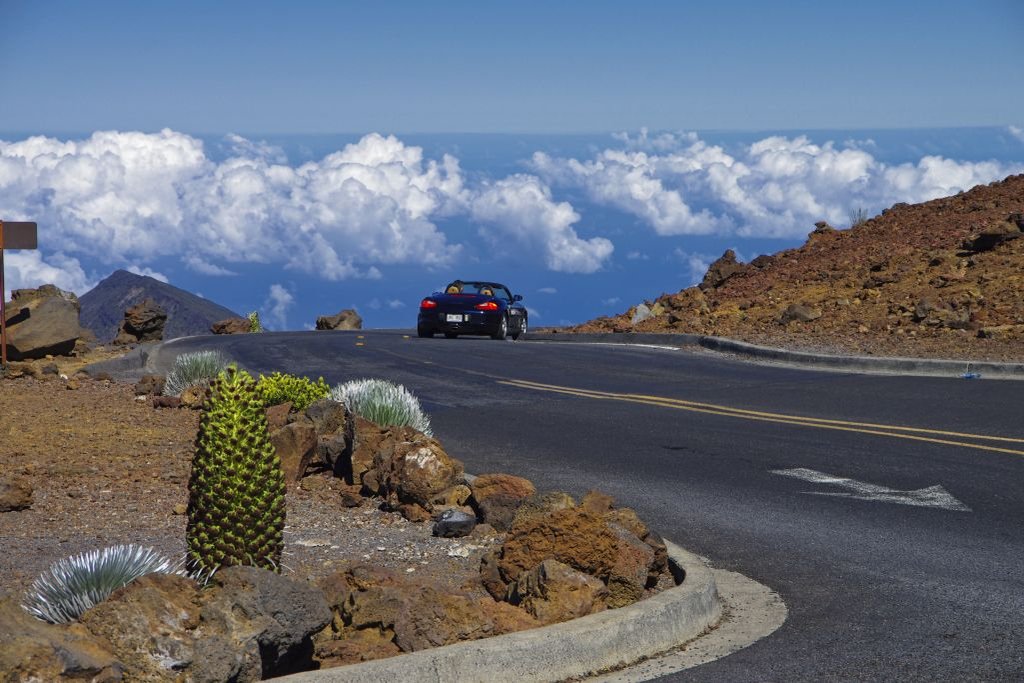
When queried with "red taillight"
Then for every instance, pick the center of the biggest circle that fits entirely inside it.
(428, 303)
(487, 306)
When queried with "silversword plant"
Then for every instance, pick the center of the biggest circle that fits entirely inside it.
(70, 586)
(383, 403)
(192, 369)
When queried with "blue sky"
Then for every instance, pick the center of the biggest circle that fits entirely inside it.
(299, 158)
(525, 66)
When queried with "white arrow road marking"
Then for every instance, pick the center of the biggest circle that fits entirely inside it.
(931, 497)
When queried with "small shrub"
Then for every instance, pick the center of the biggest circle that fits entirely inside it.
(254, 322)
(192, 369)
(71, 586)
(384, 403)
(858, 216)
(281, 388)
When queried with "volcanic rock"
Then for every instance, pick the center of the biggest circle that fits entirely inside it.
(295, 444)
(346, 319)
(412, 469)
(721, 270)
(34, 650)
(15, 492)
(277, 416)
(454, 524)
(232, 326)
(554, 592)
(193, 396)
(799, 312)
(149, 625)
(373, 605)
(41, 322)
(266, 616)
(150, 385)
(498, 496)
(143, 322)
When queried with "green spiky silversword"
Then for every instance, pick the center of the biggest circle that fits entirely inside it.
(236, 501)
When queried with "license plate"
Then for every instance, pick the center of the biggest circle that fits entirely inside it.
(453, 318)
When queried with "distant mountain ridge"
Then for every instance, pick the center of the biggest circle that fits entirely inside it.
(104, 305)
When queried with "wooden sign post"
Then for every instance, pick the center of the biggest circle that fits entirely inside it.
(20, 235)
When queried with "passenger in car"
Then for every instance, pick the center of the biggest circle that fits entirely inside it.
(487, 291)
(454, 288)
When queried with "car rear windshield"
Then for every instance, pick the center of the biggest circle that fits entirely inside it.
(487, 289)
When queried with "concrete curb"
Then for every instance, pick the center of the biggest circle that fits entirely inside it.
(867, 364)
(594, 643)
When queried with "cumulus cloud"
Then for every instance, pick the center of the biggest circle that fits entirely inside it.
(132, 197)
(1017, 132)
(775, 187)
(200, 265)
(275, 308)
(27, 269)
(547, 290)
(611, 301)
(519, 210)
(129, 197)
(148, 272)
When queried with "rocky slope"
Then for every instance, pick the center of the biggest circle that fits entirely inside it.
(104, 305)
(943, 278)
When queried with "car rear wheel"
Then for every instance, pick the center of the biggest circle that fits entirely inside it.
(450, 335)
(424, 332)
(522, 329)
(502, 331)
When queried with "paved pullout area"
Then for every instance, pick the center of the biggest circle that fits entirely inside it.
(885, 510)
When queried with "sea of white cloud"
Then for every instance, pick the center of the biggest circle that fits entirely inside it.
(128, 199)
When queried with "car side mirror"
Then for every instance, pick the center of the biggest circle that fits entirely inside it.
(517, 297)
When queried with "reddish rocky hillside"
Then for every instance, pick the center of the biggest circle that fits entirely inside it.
(940, 279)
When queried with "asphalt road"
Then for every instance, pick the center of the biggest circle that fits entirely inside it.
(877, 589)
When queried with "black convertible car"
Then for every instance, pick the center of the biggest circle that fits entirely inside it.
(470, 307)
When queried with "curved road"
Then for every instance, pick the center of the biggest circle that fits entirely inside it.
(816, 484)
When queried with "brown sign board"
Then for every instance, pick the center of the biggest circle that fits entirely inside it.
(18, 235)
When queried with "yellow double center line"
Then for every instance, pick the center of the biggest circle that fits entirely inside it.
(947, 438)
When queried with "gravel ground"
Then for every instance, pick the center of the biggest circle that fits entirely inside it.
(107, 468)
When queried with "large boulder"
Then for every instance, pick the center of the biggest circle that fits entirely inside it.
(149, 625)
(497, 497)
(34, 650)
(414, 475)
(246, 625)
(576, 537)
(347, 319)
(610, 544)
(387, 613)
(231, 326)
(41, 322)
(553, 592)
(143, 322)
(266, 614)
